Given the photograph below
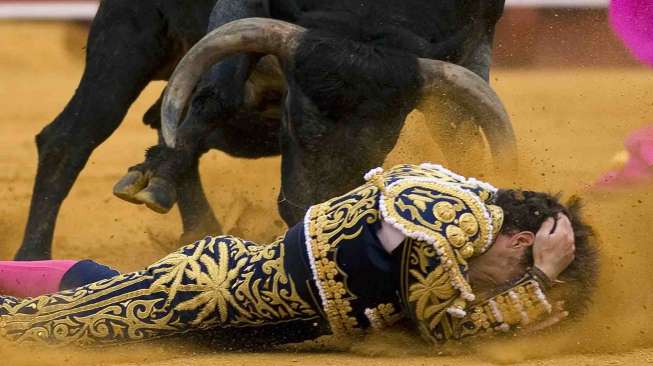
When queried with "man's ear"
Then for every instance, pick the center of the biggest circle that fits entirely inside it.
(523, 239)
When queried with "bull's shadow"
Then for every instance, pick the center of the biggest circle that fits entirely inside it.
(330, 98)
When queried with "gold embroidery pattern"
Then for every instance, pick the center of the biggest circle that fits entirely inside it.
(420, 216)
(520, 305)
(444, 211)
(215, 282)
(383, 316)
(328, 224)
(452, 244)
(465, 186)
(428, 289)
(469, 224)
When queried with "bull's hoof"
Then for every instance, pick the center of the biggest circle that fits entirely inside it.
(159, 195)
(129, 185)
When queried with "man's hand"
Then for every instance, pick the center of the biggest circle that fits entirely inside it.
(553, 250)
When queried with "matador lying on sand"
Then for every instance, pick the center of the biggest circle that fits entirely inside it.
(452, 256)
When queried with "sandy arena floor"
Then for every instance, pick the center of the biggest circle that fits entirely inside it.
(570, 122)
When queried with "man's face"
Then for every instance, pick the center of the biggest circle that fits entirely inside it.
(503, 262)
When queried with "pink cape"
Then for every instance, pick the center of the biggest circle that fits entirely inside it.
(639, 167)
(632, 20)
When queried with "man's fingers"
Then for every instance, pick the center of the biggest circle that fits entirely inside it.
(567, 224)
(569, 232)
(546, 227)
(554, 251)
(563, 228)
(563, 222)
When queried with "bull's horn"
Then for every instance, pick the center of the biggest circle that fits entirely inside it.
(251, 35)
(462, 92)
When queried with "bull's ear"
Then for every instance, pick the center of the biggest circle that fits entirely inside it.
(252, 35)
(462, 110)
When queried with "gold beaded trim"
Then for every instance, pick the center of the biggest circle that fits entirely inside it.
(336, 306)
(325, 225)
(519, 306)
(383, 316)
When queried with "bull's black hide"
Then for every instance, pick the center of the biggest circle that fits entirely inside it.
(351, 84)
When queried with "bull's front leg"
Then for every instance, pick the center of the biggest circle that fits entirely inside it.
(171, 174)
(125, 50)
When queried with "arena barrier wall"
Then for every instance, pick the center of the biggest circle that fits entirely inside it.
(549, 33)
(86, 9)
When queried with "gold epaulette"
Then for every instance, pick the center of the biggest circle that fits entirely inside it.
(432, 204)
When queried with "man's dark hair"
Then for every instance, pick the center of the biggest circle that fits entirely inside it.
(527, 210)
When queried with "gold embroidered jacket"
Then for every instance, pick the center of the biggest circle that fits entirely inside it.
(447, 219)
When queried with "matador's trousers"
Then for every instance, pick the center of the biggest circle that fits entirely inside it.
(217, 285)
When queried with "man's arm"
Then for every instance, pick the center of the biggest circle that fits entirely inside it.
(525, 307)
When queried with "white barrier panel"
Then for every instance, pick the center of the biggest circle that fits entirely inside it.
(81, 10)
(87, 9)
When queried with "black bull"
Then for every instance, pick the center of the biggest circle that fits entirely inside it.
(330, 94)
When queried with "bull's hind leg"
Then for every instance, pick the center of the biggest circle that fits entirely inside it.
(125, 49)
